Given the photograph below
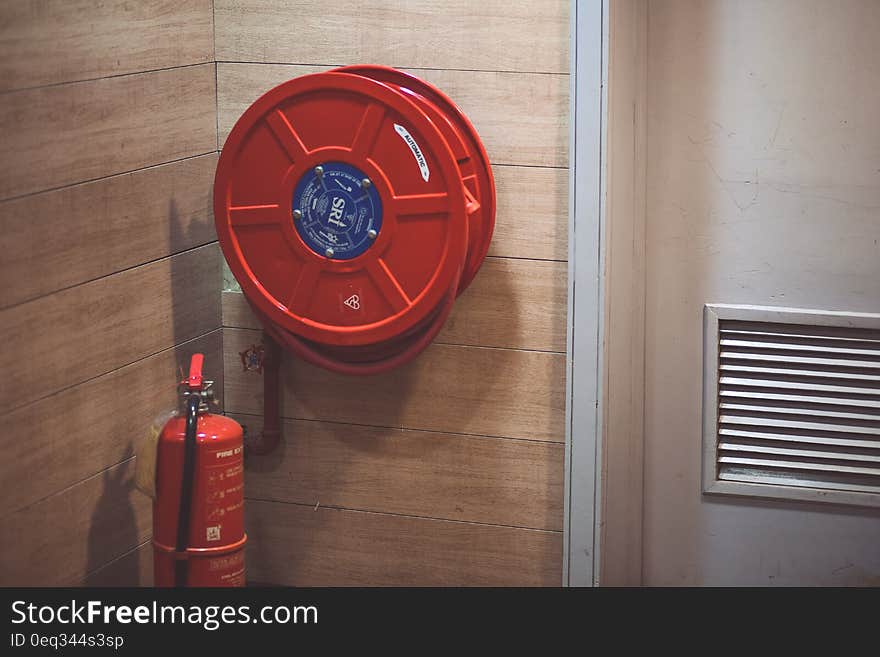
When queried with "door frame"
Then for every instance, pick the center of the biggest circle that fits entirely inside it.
(586, 292)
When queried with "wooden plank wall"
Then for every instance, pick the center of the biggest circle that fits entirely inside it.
(449, 471)
(109, 273)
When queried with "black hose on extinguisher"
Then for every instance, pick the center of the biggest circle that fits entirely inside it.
(186, 486)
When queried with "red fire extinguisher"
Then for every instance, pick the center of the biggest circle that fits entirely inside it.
(198, 512)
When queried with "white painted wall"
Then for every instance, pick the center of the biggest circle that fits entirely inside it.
(763, 187)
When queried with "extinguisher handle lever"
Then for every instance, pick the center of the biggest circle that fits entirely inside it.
(195, 372)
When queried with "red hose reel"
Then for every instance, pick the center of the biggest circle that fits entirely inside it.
(353, 207)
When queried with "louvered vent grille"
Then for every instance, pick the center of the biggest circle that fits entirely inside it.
(798, 406)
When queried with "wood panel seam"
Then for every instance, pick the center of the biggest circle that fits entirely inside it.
(25, 325)
(498, 436)
(113, 273)
(65, 489)
(9, 92)
(436, 341)
(443, 342)
(540, 132)
(462, 434)
(18, 197)
(509, 257)
(402, 515)
(98, 376)
(401, 66)
(522, 408)
(216, 73)
(87, 130)
(82, 580)
(521, 165)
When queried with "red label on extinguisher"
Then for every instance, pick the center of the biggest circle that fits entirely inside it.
(222, 498)
(222, 570)
(230, 568)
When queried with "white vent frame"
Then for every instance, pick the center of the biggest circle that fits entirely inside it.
(713, 315)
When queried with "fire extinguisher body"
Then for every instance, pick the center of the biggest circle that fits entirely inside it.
(211, 548)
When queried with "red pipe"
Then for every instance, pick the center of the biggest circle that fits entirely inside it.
(271, 435)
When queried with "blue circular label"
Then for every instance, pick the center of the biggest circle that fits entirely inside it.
(337, 211)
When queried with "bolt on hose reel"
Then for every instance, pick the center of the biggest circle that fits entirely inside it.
(353, 207)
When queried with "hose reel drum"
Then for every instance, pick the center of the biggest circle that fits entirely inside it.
(353, 207)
